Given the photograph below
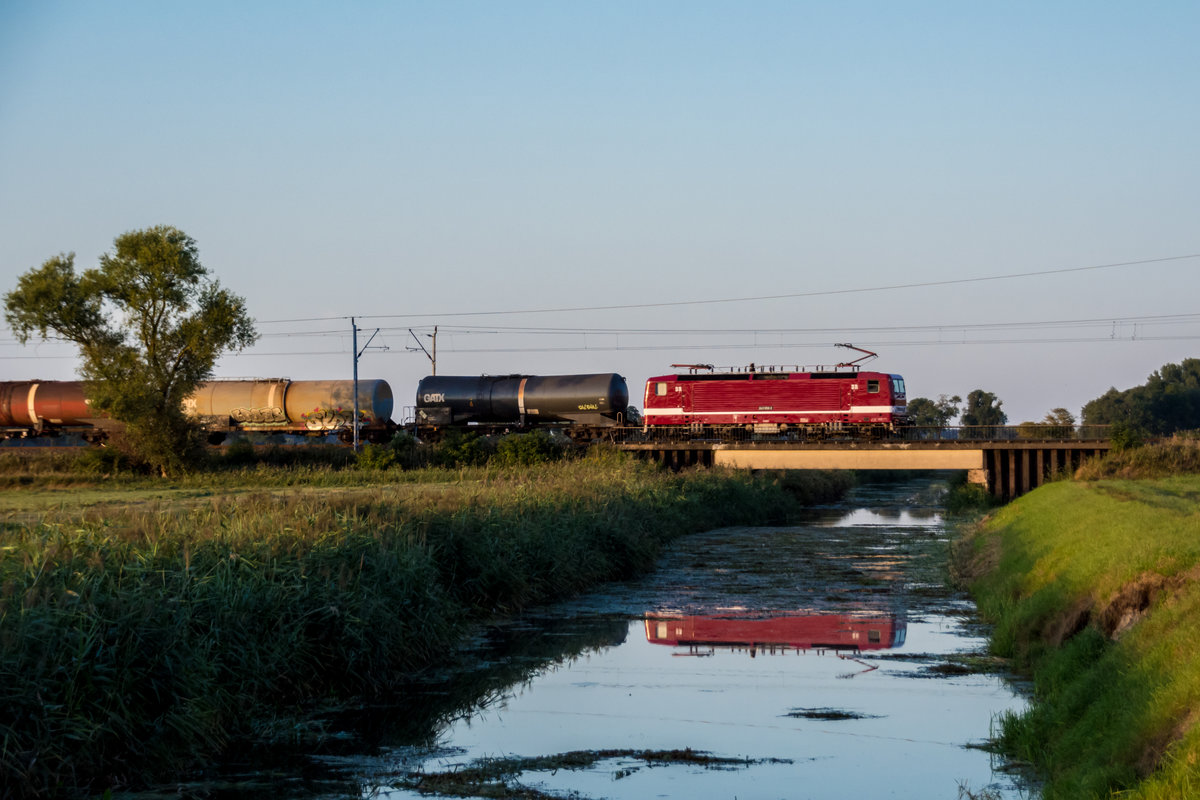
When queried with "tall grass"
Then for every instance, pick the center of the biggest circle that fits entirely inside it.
(1095, 588)
(142, 639)
(1174, 456)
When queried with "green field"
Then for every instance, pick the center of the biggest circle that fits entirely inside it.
(145, 627)
(1094, 587)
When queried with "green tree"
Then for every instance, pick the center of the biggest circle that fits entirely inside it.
(1059, 417)
(1057, 424)
(930, 414)
(1169, 401)
(150, 324)
(983, 409)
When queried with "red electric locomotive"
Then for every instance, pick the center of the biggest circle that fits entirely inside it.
(775, 401)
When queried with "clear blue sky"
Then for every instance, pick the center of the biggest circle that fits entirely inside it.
(410, 162)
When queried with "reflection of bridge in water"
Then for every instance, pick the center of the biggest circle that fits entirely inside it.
(1008, 461)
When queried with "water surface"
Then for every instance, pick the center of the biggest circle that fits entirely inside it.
(830, 657)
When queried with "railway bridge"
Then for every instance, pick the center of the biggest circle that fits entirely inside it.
(1003, 461)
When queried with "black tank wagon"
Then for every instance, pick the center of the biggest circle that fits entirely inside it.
(578, 403)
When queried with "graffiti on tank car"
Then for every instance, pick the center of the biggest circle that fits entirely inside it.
(261, 416)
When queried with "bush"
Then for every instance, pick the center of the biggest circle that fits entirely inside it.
(968, 498)
(1125, 436)
(461, 449)
(527, 448)
(108, 461)
(239, 453)
(408, 452)
(377, 456)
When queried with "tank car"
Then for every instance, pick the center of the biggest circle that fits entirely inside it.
(577, 403)
(33, 408)
(279, 405)
(776, 401)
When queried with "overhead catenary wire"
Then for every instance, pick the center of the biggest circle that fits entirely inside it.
(462, 330)
(1143, 320)
(1131, 331)
(755, 298)
(1118, 327)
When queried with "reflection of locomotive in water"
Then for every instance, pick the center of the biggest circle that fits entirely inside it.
(778, 634)
(37, 408)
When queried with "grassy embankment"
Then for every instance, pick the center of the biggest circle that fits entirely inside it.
(144, 628)
(1094, 586)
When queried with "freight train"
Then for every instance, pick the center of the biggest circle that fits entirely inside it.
(702, 402)
(51, 408)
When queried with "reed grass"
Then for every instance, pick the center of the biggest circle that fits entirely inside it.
(141, 639)
(1176, 455)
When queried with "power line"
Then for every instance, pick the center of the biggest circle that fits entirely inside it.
(618, 348)
(787, 296)
(499, 330)
(1117, 328)
(809, 345)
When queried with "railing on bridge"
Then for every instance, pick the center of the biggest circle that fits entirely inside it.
(1008, 460)
(1031, 432)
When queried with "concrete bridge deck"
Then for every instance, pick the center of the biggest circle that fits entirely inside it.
(1007, 468)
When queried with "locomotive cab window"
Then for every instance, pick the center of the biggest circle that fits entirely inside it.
(873, 387)
(660, 389)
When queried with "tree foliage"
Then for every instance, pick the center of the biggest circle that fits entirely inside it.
(1169, 401)
(1059, 423)
(150, 324)
(983, 408)
(930, 414)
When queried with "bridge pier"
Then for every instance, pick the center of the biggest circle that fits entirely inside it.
(1014, 468)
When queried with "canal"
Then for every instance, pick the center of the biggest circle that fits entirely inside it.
(824, 660)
